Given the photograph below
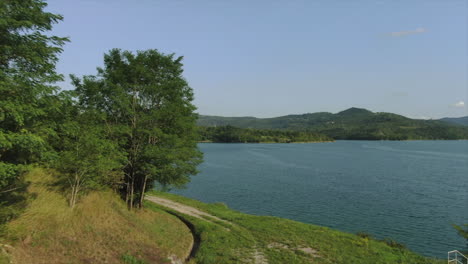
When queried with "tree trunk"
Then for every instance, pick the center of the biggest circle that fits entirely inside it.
(132, 188)
(142, 195)
(72, 197)
(127, 192)
(75, 188)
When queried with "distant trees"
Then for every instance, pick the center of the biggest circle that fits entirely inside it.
(146, 109)
(230, 134)
(27, 70)
(351, 124)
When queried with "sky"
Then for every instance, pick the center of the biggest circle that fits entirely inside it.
(278, 57)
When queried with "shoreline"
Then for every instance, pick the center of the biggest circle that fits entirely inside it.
(305, 237)
(301, 142)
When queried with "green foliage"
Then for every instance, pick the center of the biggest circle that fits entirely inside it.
(230, 134)
(27, 69)
(145, 104)
(88, 160)
(353, 124)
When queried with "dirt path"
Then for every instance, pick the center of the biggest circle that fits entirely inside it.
(258, 256)
(185, 209)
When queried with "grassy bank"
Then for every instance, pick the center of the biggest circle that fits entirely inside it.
(264, 239)
(99, 230)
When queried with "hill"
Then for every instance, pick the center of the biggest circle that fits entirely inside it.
(100, 229)
(456, 120)
(353, 123)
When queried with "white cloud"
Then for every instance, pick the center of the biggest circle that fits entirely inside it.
(460, 104)
(407, 32)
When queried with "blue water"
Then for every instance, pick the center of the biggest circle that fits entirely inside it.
(409, 191)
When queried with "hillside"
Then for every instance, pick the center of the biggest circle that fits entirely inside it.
(353, 123)
(100, 229)
(456, 120)
(227, 236)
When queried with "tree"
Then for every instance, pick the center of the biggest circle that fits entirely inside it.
(88, 161)
(27, 70)
(87, 158)
(148, 110)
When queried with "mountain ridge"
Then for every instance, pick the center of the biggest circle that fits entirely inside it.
(351, 123)
(456, 120)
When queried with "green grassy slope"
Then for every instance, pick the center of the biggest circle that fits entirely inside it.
(353, 123)
(99, 229)
(282, 240)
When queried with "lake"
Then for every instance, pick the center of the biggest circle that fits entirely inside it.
(409, 191)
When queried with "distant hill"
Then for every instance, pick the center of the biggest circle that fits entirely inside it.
(353, 123)
(456, 120)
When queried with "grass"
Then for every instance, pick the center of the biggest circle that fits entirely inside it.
(99, 229)
(284, 241)
(4, 259)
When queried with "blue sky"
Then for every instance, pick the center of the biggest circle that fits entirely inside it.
(272, 58)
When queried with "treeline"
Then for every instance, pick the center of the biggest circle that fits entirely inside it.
(387, 126)
(351, 124)
(127, 127)
(230, 134)
(390, 132)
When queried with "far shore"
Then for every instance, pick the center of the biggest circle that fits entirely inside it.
(308, 142)
(266, 142)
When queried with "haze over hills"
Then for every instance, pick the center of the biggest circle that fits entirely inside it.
(353, 123)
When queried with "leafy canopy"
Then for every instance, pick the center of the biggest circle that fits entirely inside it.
(147, 108)
(27, 72)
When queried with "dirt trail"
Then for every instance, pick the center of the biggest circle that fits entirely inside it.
(258, 256)
(185, 209)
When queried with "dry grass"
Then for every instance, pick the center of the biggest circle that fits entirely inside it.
(99, 230)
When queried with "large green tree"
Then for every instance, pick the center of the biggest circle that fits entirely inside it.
(148, 110)
(27, 71)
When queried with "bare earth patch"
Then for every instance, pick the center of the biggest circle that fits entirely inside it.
(310, 251)
(185, 209)
(259, 257)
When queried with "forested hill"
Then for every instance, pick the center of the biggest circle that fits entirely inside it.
(456, 120)
(353, 123)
